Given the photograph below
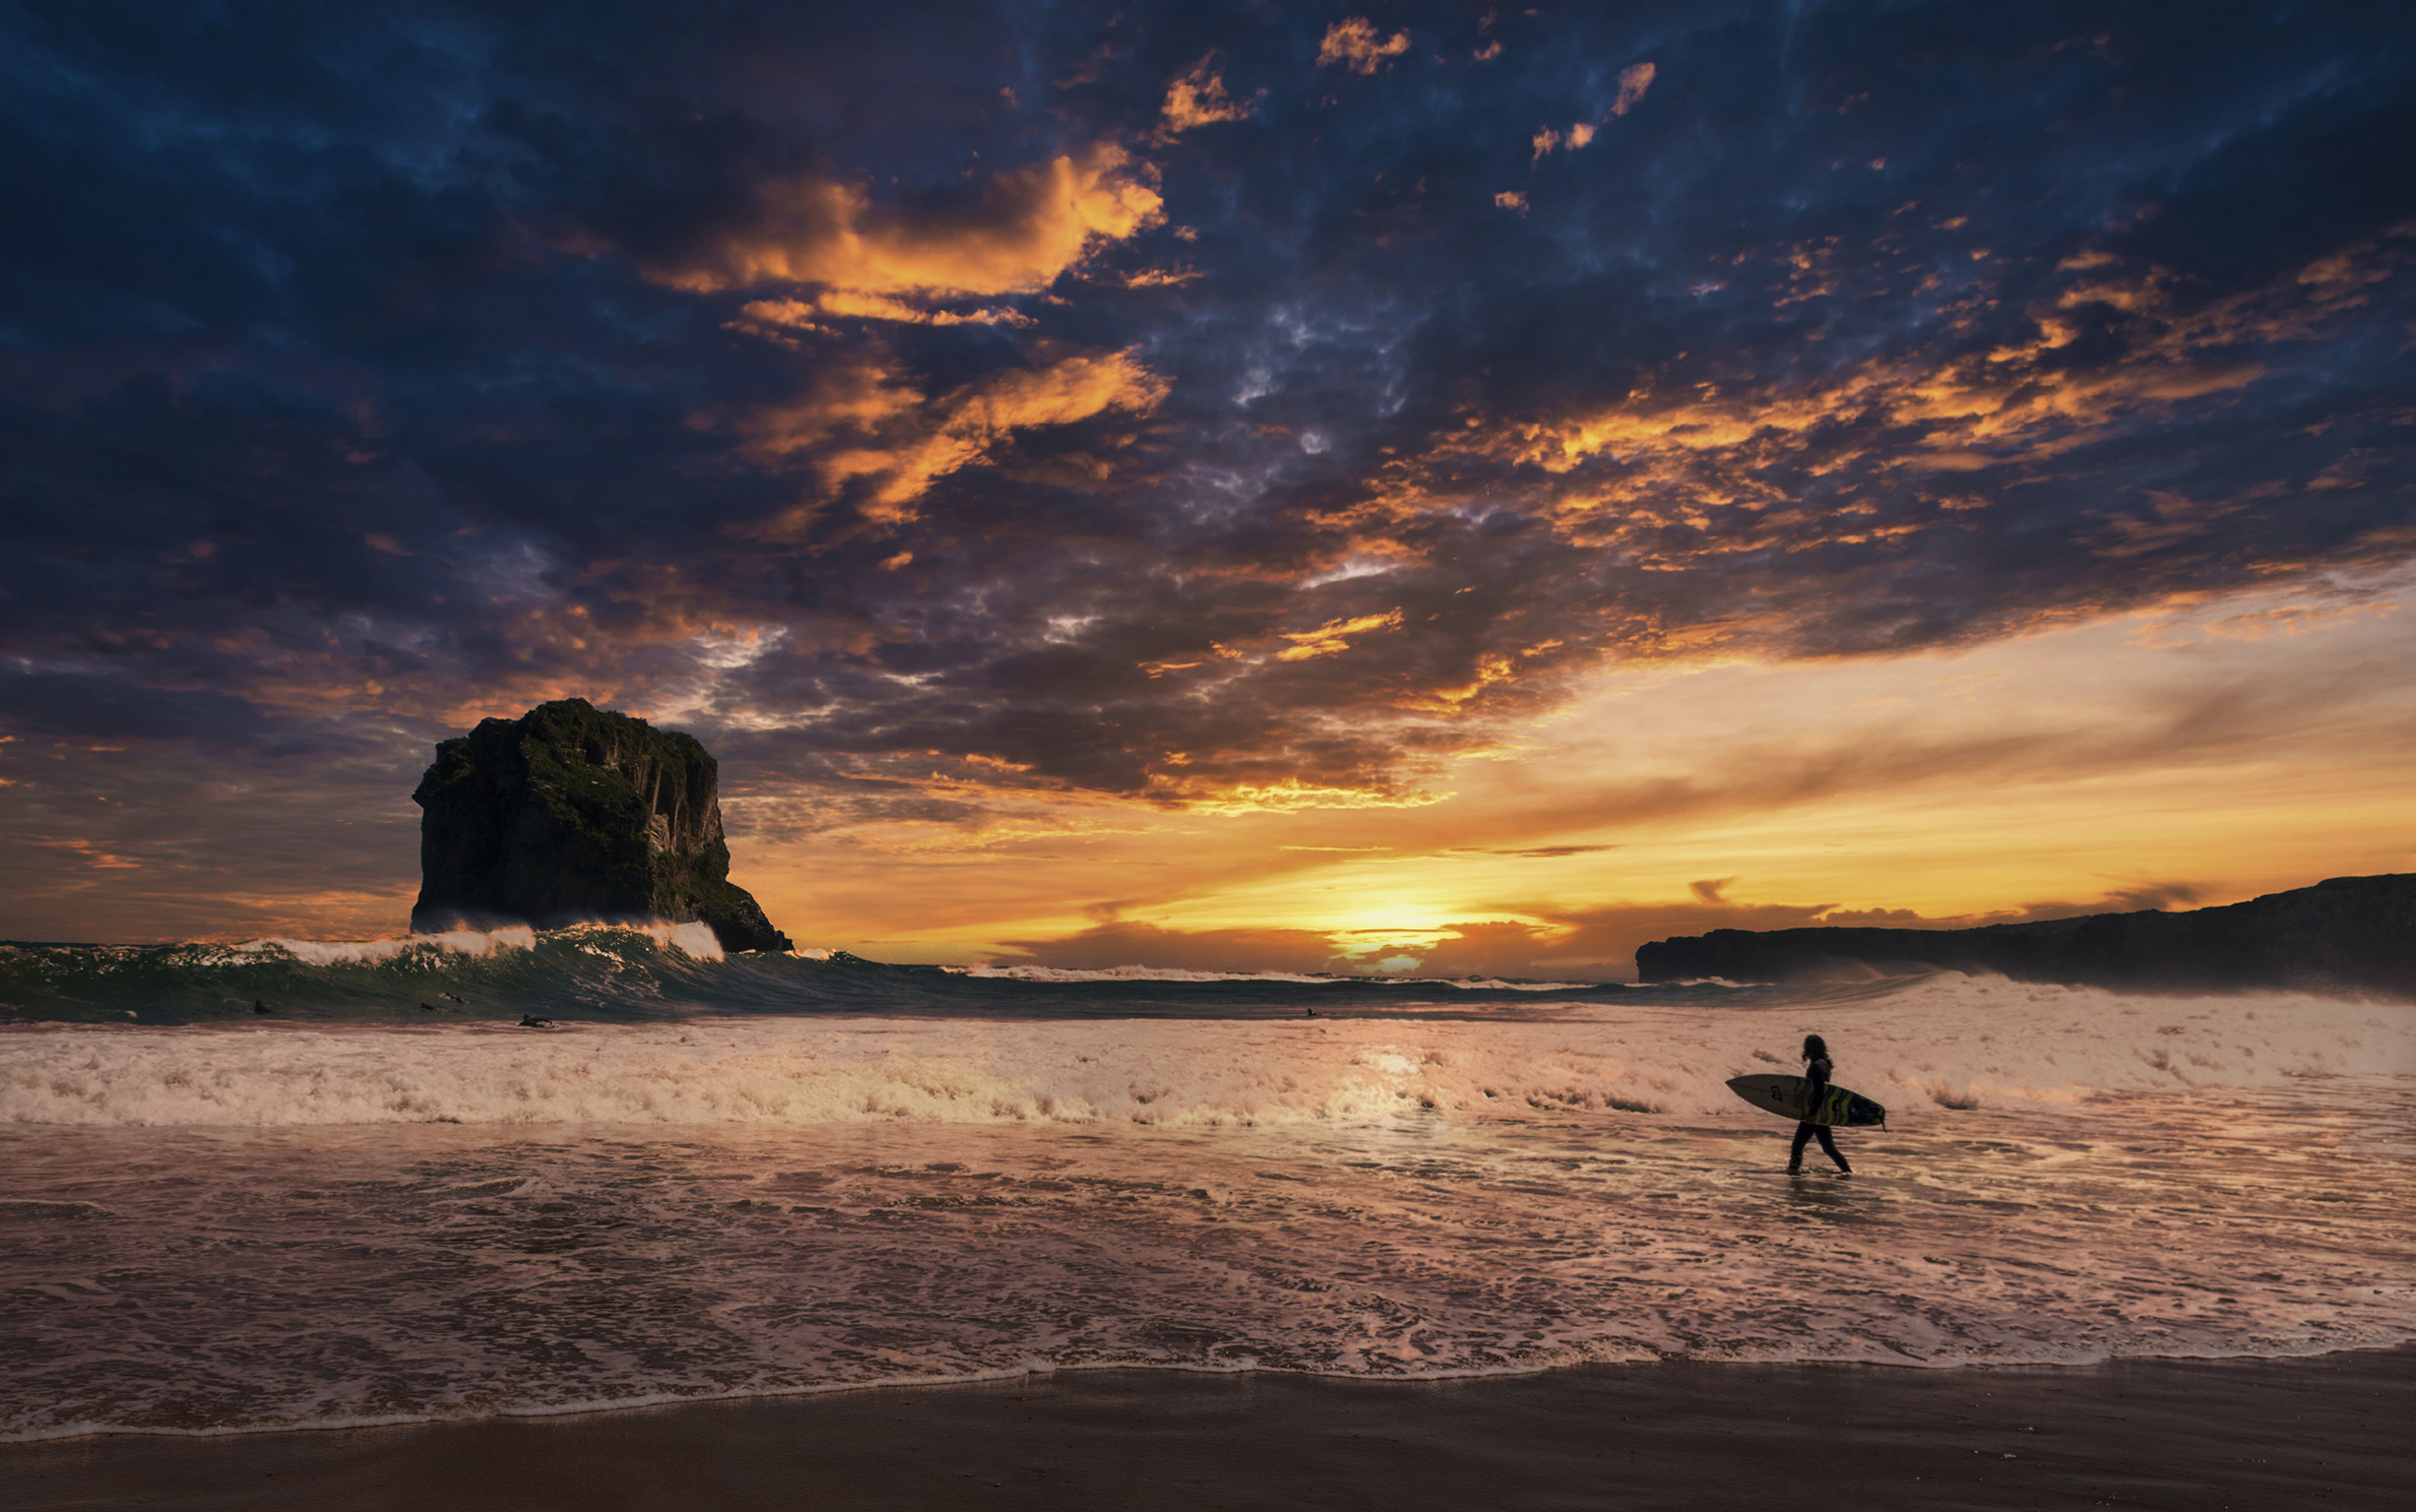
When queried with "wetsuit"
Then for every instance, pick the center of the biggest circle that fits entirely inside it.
(1816, 1075)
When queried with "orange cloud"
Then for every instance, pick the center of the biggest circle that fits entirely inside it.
(1198, 99)
(2016, 399)
(92, 854)
(1634, 82)
(1291, 795)
(866, 423)
(849, 304)
(1354, 42)
(1329, 640)
(860, 397)
(1548, 140)
(1031, 224)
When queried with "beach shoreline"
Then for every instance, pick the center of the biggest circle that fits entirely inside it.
(2312, 1431)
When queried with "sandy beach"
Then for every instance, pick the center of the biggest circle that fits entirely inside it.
(2199, 1434)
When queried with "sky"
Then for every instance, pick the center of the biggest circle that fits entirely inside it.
(1436, 489)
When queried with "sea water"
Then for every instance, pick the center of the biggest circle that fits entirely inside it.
(719, 1178)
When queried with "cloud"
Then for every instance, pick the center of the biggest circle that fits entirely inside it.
(1589, 944)
(1331, 638)
(1539, 853)
(1196, 98)
(863, 422)
(1354, 42)
(1026, 228)
(1105, 947)
(86, 708)
(1634, 80)
(395, 373)
(846, 305)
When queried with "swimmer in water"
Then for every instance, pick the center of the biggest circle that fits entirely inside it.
(1816, 1077)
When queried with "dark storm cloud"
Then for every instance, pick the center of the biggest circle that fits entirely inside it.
(99, 709)
(1172, 403)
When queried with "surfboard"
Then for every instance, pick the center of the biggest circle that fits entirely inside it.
(1784, 1095)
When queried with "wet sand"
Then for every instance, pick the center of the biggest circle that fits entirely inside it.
(2185, 1434)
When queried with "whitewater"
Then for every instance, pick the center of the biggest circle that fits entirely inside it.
(382, 1200)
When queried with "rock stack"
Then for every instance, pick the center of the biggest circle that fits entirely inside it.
(571, 813)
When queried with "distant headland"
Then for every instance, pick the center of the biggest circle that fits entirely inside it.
(571, 813)
(2355, 933)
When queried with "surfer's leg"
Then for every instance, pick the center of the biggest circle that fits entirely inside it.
(1828, 1146)
(1803, 1136)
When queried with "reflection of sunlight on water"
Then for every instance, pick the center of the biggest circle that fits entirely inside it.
(1938, 1051)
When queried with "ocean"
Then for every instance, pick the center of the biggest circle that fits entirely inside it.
(383, 1201)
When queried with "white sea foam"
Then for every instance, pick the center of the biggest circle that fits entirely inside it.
(231, 1228)
(1494, 984)
(1951, 1044)
(459, 942)
(203, 1280)
(692, 939)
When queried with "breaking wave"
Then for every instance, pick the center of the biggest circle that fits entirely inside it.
(620, 973)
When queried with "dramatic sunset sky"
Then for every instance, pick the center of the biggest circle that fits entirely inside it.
(1252, 485)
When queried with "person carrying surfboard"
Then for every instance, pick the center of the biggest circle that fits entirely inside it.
(1816, 1078)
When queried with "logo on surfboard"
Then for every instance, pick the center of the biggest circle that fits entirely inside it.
(1789, 1097)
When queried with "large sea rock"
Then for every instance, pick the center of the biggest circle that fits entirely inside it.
(571, 813)
(2349, 933)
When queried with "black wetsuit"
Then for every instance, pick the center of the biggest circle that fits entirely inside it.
(1818, 1074)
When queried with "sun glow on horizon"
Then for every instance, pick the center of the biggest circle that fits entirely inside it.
(2161, 755)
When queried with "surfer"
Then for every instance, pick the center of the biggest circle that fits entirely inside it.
(1816, 1086)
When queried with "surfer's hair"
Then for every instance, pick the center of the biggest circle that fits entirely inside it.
(1815, 1048)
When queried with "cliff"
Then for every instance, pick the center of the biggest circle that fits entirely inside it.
(571, 813)
(2348, 933)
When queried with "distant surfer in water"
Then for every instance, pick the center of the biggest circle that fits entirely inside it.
(1816, 1086)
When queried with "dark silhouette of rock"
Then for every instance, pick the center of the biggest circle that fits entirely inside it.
(571, 813)
(2349, 933)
